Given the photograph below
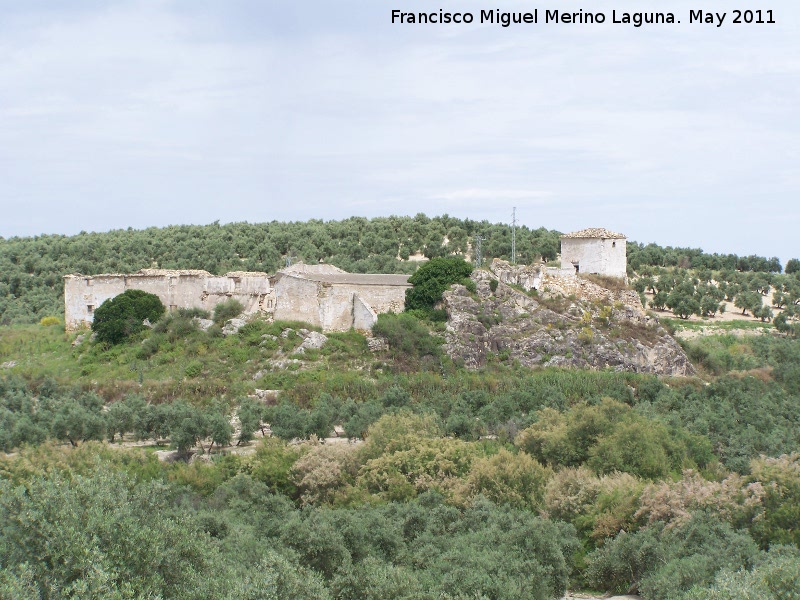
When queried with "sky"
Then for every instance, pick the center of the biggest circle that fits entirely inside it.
(138, 113)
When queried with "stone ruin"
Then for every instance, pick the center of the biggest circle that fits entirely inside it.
(321, 295)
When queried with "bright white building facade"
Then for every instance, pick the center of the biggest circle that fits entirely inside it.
(594, 250)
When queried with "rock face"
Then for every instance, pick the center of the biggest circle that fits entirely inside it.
(572, 323)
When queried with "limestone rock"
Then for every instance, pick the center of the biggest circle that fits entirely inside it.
(285, 363)
(596, 329)
(79, 340)
(528, 277)
(377, 344)
(202, 324)
(268, 397)
(314, 341)
(9, 364)
(233, 326)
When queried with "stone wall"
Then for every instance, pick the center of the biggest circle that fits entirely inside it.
(338, 302)
(175, 289)
(594, 255)
(364, 316)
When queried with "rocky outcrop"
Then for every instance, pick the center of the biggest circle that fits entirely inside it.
(528, 277)
(587, 327)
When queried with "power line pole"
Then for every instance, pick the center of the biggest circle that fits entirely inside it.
(478, 256)
(514, 236)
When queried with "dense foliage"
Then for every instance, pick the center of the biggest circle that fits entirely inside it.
(499, 483)
(124, 315)
(432, 279)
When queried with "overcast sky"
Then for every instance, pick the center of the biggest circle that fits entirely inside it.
(138, 113)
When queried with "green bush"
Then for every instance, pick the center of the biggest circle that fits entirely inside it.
(433, 278)
(408, 338)
(124, 315)
(229, 309)
(193, 369)
(609, 437)
(662, 563)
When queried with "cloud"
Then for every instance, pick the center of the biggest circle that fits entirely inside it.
(147, 112)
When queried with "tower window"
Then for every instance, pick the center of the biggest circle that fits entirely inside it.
(90, 308)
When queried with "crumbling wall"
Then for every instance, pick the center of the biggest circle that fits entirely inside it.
(297, 299)
(321, 295)
(333, 306)
(175, 289)
(364, 317)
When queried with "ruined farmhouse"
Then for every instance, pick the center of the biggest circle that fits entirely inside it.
(321, 295)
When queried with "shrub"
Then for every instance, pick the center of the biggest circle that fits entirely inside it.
(193, 369)
(433, 278)
(409, 340)
(506, 478)
(663, 564)
(781, 480)
(194, 312)
(229, 309)
(124, 315)
(324, 469)
(571, 492)
(610, 437)
(493, 285)
(49, 321)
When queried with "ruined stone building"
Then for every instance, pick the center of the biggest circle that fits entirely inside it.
(321, 295)
(334, 299)
(594, 250)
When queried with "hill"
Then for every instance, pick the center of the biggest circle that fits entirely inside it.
(31, 269)
(453, 458)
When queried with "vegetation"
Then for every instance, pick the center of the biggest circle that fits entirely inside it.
(433, 278)
(124, 315)
(498, 483)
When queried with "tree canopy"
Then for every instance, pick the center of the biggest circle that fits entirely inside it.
(125, 314)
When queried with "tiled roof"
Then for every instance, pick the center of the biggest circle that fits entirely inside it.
(595, 232)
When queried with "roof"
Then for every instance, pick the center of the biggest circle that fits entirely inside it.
(148, 273)
(170, 272)
(354, 278)
(244, 274)
(594, 232)
(317, 269)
